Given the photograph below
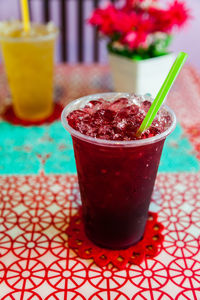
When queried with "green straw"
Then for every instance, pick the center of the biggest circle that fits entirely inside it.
(158, 101)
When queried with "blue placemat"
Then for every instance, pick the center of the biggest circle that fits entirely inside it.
(22, 150)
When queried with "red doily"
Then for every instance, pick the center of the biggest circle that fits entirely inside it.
(10, 116)
(148, 247)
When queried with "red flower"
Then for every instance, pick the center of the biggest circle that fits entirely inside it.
(134, 39)
(178, 13)
(166, 20)
(160, 19)
(125, 22)
(136, 20)
(105, 19)
(137, 4)
(130, 4)
(145, 22)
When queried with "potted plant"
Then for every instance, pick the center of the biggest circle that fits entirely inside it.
(139, 33)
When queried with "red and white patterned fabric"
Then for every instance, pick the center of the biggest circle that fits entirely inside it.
(37, 263)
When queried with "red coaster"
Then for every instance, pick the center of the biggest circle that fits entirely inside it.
(148, 247)
(10, 116)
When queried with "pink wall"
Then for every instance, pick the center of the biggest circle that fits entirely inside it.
(9, 8)
(186, 40)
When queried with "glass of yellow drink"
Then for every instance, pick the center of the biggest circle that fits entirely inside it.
(29, 61)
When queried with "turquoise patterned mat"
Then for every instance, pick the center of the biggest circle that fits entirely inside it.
(22, 150)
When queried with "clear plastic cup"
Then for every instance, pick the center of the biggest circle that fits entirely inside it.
(29, 62)
(116, 180)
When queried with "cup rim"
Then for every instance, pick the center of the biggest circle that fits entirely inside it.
(48, 36)
(110, 143)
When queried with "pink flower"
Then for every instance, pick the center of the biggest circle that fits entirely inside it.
(135, 4)
(138, 19)
(166, 20)
(104, 19)
(135, 39)
(178, 13)
(145, 22)
(125, 22)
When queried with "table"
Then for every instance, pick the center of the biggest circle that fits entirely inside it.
(39, 194)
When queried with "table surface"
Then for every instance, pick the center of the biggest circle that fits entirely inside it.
(39, 193)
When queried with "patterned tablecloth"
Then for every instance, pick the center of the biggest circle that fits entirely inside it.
(39, 194)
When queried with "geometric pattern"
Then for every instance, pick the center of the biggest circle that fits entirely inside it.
(148, 246)
(37, 263)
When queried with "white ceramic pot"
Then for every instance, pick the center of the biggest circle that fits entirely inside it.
(139, 77)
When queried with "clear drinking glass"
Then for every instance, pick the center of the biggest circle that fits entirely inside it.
(116, 180)
(29, 62)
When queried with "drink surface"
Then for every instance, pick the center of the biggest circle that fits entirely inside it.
(14, 29)
(118, 119)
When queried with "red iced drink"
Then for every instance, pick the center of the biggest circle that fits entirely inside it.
(116, 170)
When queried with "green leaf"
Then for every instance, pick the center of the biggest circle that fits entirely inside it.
(158, 48)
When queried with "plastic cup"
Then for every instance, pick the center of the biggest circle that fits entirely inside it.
(29, 63)
(116, 180)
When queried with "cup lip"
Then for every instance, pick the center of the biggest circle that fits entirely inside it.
(48, 36)
(110, 143)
